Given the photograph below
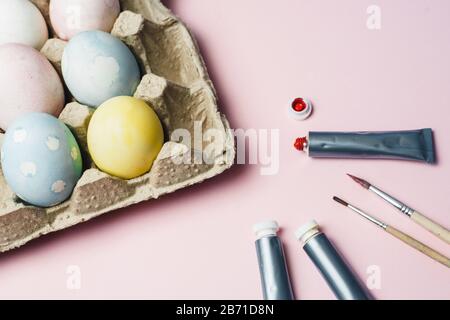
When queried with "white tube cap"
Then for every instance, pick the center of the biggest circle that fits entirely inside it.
(266, 228)
(304, 229)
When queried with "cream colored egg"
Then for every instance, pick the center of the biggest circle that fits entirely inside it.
(22, 22)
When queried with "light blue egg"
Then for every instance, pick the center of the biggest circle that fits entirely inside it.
(97, 66)
(41, 160)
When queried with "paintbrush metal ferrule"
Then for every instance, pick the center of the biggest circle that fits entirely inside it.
(360, 212)
(396, 203)
(368, 217)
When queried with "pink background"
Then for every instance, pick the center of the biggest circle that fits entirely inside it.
(198, 243)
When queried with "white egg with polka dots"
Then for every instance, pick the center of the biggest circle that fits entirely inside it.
(41, 160)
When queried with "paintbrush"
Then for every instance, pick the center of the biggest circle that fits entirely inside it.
(433, 254)
(434, 227)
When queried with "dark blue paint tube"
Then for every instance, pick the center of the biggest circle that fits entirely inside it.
(339, 277)
(273, 270)
(405, 145)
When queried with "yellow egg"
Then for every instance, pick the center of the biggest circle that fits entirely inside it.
(124, 137)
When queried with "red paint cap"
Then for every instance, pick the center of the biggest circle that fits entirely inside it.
(300, 108)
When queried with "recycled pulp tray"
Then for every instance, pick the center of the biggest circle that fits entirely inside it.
(176, 85)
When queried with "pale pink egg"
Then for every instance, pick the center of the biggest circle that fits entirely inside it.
(28, 83)
(70, 17)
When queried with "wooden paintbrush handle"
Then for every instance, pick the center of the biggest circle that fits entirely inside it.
(431, 226)
(419, 246)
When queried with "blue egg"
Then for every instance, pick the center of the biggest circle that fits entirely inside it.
(41, 160)
(97, 66)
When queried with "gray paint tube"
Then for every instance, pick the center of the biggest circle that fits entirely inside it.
(339, 277)
(406, 145)
(273, 270)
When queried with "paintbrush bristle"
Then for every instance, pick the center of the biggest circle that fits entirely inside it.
(339, 200)
(361, 182)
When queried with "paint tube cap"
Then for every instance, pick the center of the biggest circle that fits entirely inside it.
(266, 228)
(305, 229)
(300, 108)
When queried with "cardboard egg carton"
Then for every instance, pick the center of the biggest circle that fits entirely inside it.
(177, 86)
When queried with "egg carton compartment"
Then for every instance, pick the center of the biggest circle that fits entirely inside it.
(176, 84)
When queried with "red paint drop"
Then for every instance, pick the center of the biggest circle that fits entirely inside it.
(299, 105)
(300, 143)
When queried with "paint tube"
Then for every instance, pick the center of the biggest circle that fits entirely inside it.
(331, 265)
(406, 145)
(273, 270)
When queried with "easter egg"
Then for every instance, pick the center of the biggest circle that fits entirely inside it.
(70, 17)
(21, 22)
(28, 83)
(41, 160)
(97, 66)
(124, 137)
